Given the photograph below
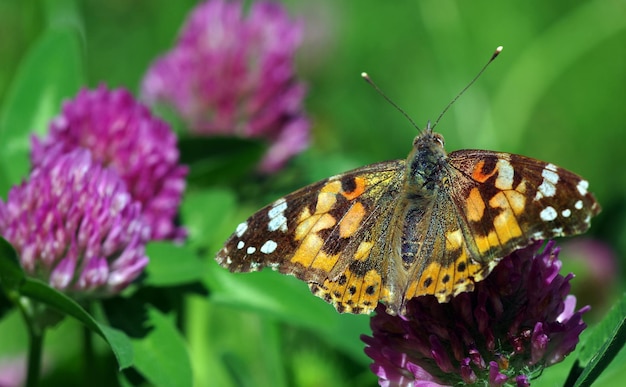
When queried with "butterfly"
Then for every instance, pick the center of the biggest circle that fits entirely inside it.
(433, 224)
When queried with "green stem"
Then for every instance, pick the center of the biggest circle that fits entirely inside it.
(90, 368)
(31, 312)
(34, 355)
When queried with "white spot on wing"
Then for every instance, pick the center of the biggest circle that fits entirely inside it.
(566, 213)
(278, 221)
(548, 214)
(251, 250)
(538, 235)
(240, 245)
(504, 180)
(241, 228)
(582, 187)
(269, 247)
(578, 205)
(548, 185)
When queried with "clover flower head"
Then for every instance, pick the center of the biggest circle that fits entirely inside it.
(122, 134)
(517, 321)
(75, 226)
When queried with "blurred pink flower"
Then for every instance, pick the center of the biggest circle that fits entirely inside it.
(13, 371)
(122, 134)
(599, 277)
(232, 74)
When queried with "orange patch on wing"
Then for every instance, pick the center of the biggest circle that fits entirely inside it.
(355, 293)
(474, 270)
(516, 200)
(444, 285)
(311, 242)
(314, 224)
(304, 215)
(478, 174)
(485, 243)
(325, 221)
(325, 262)
(426, 283)
(475, 205)
(358, 190)
(363, 251)
(308, 250)
(460, 276)
(332, 187)
(454, 240)
(351, 220)
(370, 290)
(352, 289)
(325, 202)
(505, 223)
(507, 227)
(327, 197)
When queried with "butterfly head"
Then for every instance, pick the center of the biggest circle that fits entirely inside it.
(428, 137)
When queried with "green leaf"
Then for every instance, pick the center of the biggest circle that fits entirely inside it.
(118, 341)
(171, 264)
(603, 343)
(161, 356)
(51, 71)
(289, 299)
(11, 276)
(208, 216)
(11, 273)
(214, 160)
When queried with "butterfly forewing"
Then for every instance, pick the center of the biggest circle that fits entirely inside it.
(324, 234)
(515, 199)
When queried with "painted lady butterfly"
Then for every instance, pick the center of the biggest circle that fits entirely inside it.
(433, 224)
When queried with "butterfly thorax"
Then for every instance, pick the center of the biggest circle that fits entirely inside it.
(425, 178)
(426, 165)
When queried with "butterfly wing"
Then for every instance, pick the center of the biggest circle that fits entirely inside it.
(524, 200)
(330, 234)
(495, 204)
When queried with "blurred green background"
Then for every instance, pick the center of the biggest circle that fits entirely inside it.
(557, 93)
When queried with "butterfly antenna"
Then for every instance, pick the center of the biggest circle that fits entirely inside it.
(369, 80)
(495, 54)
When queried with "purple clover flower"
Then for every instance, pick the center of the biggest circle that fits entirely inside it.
(75, 225)
(231, 74)
(517, 321)
(123, 134)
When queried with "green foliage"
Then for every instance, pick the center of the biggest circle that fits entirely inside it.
(18, 286)
(602, 345)
(171, 265)
(33, 99)
(161, 356)
(555, 93)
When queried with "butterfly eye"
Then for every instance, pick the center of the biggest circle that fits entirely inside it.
(439, 139)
